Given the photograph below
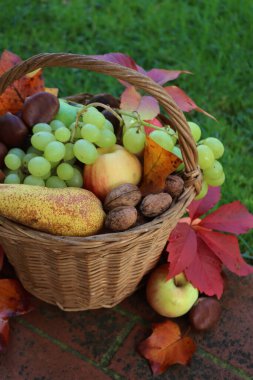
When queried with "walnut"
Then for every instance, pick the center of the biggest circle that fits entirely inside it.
(155, 204)
(121, 218)
(123, 195)
(174, 185)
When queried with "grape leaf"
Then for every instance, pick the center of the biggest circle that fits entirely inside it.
(146, 106)
(180, 257)
(158, 164)
(232, 217)
(1, 257)
(183, 101)
(162, 76)
(4, 334)
(13, 299)
(166, 346)
(198, 208)
(204, 272)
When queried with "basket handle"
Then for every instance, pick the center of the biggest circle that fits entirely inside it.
(186, 141)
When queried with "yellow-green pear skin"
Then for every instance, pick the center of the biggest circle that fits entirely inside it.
(63, 211)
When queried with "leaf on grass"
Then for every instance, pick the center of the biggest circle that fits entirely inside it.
(4, 334)
(182, 248)
(183, 101)
(1, 257)
(13, 97)
(198, 208)
(204, 272)
(162, 76)
(232, 217)
(226, 248)
(119, 58)
(158, 164)
(13, 299)
(146, 106)
(166, 346)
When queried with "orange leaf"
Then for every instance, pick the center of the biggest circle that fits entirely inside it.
(13, 97)
(166, 347)
(13, 299)
(53, 91)
(158, 164)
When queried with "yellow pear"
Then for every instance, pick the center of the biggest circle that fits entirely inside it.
(65, 211)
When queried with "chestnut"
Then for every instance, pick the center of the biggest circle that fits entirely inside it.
(3, 152)
(13, 131)
(205, 313)
(40, 108)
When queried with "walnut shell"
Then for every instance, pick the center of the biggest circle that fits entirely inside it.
(174, 185)
(205, 313)
(155, 204)
(123, 195)
(121, 218)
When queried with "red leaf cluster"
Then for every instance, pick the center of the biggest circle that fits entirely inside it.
(200, 247)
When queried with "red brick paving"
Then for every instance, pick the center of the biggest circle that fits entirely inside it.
(49, 344)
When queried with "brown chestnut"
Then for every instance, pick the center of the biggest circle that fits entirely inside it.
(13, 131)
(3, 152)
(205, 313)
(40, 108)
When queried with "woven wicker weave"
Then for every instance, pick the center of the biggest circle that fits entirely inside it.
(97, 271)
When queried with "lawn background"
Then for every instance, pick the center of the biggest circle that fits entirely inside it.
(212, 39)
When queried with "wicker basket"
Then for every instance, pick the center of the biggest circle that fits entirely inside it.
(97, 271)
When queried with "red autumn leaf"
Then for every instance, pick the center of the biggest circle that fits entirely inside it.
(4, 334)
(182, 248)
(198, 208)
(13, 97)
(162, 76)
(119, 58)
(146, 106)
(158, 164)
(166, 346)
(1, 257)
(155, 122)
(226, 248)
(13, 299)
(183, 101)
(232, 217)
(204, 272)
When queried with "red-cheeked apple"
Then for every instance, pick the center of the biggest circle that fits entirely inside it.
(113, 167)
(170, 298)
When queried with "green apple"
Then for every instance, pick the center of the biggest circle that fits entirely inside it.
(170, 298)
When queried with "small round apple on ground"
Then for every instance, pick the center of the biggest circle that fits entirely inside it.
(170, 298)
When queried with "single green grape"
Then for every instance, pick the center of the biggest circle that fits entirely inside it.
(12, 161)
(27, 157)
(134, 140)
(41, 127)
(38, 166)
(55, 182)
(163, 139)
(76, 180)
(41, 139)
(62, 134)
(65, 171)
(69, 153)
(215, 145)
(195, 130)
(216, 181)
(54, 151)
(205, 156)
(108, 125)
(34, 181)
(31, 149)
(85, 151)
(214, 172)
(12, 178)
(203, 191)
(67, 113)
(177, 151)
(93, 116)
(19, 152)
(106, 138)
(56, 124)
(90, 132)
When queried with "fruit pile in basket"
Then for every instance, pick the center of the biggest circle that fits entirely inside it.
(124, 153)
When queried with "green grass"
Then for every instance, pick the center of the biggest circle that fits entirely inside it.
(213, 39)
